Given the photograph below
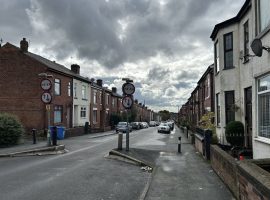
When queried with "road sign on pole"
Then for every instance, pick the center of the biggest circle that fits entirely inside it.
(46, 97)
(46, 84)
(128, 88)
(127, 102)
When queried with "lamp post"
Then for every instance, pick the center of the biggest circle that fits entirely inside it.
(46, 85)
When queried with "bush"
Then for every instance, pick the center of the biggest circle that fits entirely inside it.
(206, 122)
(10, 129)
(234, 132)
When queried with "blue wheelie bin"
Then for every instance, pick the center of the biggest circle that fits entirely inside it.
(60, 132)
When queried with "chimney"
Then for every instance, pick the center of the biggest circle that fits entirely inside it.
(99, 82)
(114, 89)
(24, 45)
(75, 68)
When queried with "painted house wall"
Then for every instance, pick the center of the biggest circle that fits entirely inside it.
(80, 103)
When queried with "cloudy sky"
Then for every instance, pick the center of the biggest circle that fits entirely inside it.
(163, 45)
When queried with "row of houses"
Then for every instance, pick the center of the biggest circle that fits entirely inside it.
(237, 86)
(76, 100)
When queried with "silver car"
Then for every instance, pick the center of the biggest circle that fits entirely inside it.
(123, 127)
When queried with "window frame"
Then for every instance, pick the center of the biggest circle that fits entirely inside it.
(258, 94)
(84, 93)
(246, 40)
(83, 112)
(57, 108)
(227, 106)
(57, 83)
(226, 51)
(94, 116)
(95, 97)
(216, 54)
(69, 89)
(259, 21)
(218, 108)
(75, 90)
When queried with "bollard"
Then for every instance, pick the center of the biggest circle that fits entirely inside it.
(48, 137)
(120, 140)
(86, 127)
(187, 132)
(34, 131)
(179, 144)
(54, 136)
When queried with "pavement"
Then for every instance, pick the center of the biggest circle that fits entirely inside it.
(186, 175)
(27, 148)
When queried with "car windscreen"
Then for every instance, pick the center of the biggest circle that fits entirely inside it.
(122, 123)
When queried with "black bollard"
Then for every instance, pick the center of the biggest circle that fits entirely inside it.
(120, 140)
(34, 132)
(179, 144)
(54, 136)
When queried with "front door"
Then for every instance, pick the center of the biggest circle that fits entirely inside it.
(248, 117)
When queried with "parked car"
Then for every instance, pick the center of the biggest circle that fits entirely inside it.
(152, 123)
(164, 128)
(123, 127)
(135, 125)
(144, 124)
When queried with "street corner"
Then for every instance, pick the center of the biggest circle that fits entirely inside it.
(130, 157)
(42, 151)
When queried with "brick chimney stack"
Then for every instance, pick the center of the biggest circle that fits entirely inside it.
(75, 68)
(99, 82)
(24, 45)
(114, 89)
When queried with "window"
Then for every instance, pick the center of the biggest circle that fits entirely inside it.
(107, 99)
(83, 112)
(69, 89)
(83, 92)
(246, 42)
(75, 90)
(218, 109)
(228, 51)
(58, 113)
(100, 98)
(264, 14)
(229, 104)
(264, 107)
(95, 116)
(57, 87)
(95, 97)
(113, 102)
(207, 87)
(217, 57)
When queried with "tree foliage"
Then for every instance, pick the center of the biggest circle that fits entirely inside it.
(165, 115)
(10, 129)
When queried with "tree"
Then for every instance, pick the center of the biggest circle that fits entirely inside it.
(165, 115)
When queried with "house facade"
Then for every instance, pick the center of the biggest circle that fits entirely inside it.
(21, 91)
(242, 79)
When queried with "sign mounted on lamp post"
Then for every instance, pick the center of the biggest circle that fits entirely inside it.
(128, 88)
(127, 102)
(46, 97)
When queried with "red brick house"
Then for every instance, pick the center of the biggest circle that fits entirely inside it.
(21, 91)
(96, 105)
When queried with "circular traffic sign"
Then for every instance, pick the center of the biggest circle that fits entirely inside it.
(46, 97)
(46, 84)
(127, 102)
(128, 88)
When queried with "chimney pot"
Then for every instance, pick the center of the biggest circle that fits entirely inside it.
(24, 45)
(75, 68)
(114, 89)
(99, 82)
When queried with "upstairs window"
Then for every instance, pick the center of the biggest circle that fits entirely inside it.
(264, 14)
(57, 87)
(228, 51)
(216, 57)
(246, 42)
(69, 89)
(83, 92)
(95, 97)
(75, 90)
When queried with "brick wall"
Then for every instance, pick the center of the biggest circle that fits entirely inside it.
(246, 179)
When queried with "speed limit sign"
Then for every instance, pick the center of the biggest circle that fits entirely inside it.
(128, 88)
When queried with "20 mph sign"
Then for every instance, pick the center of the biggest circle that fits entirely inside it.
(128, 88)
(46, 84)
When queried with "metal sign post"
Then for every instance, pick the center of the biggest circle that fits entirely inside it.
(128, 89)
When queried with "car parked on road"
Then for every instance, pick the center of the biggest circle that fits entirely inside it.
(144, 124)
(123, 127)
(152, 123)
(171, 125)
(135, 125)
(164, 128)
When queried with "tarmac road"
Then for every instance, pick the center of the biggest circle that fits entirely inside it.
(82, 173)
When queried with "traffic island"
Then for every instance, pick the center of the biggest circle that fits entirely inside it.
(53, 150)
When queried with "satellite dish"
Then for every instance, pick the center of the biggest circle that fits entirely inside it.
(257, 47)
